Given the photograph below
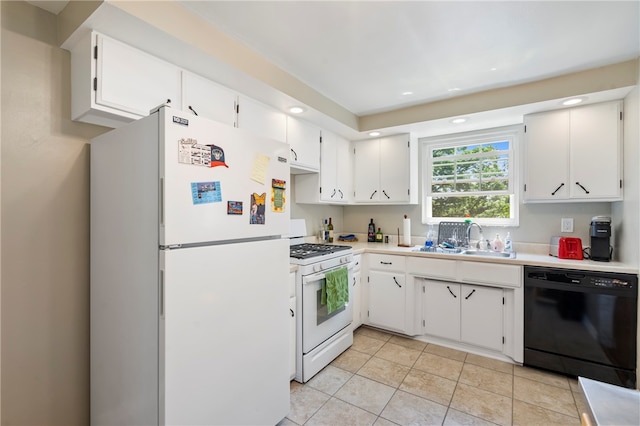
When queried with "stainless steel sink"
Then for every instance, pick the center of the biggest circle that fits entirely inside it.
(455, 250)
(487, 253)
(466, 252)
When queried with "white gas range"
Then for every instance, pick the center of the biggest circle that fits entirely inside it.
(321, 336)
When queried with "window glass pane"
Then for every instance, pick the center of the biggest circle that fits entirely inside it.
(471, 174)
(487, 206)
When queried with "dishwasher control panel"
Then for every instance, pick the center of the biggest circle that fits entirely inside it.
(610, 282)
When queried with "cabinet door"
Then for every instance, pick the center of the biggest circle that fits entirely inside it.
(261, 119)
(304, 139)
(441, 309)
(328, 167)
(132, 81)
(343, 169)
(208, 99)
(595, 151)
(366, 170)
(394, 168)
(481, 316)
(547, 156)
(292, 338)
(387, 300)
(357, 295)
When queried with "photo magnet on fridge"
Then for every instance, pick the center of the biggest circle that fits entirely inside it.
(257, 208)
(206, 192)
(234, 207)
(278, 200)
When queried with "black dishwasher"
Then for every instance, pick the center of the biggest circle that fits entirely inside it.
(581, 323)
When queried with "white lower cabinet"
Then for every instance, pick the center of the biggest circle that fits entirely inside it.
(292, 325)
(465, 313)
(357, 292)
(387, 292)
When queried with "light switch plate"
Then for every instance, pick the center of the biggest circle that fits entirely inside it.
(566, 225)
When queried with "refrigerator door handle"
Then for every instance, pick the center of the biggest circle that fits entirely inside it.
(161, 294)
(162, 201)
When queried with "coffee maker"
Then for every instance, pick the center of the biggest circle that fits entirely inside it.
(600, 238)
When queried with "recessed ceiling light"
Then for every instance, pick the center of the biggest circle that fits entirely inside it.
(494, 69)
(455, 89)
(296, 110)
(573, 101)
(374, 133)
(407, 93)
(458, 120)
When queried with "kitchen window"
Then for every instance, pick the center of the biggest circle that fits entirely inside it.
(471, 175)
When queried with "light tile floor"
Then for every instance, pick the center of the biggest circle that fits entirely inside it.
(384, 379)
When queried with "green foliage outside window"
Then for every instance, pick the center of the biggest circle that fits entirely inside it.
(471, 180)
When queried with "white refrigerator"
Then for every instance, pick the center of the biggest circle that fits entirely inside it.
(188, 291)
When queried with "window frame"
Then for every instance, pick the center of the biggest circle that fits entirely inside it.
(513, 134)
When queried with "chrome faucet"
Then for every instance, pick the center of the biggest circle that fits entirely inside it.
(469, 234)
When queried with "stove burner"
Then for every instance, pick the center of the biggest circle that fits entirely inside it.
(307, 250)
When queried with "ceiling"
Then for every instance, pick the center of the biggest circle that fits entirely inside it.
(366, 55)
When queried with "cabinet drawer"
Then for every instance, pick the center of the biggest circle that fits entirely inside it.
(432, 268)
(385, 262)
(490, 273)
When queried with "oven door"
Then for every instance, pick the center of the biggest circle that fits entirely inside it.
(317, 324)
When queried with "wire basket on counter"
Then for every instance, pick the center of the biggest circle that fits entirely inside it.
(454, 233)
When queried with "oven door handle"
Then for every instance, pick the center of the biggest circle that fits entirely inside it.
(317, 277)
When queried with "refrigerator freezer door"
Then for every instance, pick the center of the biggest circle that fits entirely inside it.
(208, 173)
(224, 329)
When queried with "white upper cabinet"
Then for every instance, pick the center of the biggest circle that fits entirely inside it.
(304, 139)
(208, 99)
(261, 119)
(113, 83)
(574, 154)
(335, 168)
(385, 170)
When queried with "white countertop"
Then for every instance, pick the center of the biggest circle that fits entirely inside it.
(611, 405)
(521, 258)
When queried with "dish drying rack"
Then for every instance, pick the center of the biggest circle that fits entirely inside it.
(454, 233)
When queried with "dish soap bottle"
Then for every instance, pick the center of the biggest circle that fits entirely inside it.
(507, 243)
(371, 233)
(497, 245)
(379, 236)
(429, 242)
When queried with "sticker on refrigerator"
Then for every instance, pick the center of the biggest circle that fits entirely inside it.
(206, 192)
(259, 170)
(278, 200)
(191, 152)
(257, 208)
(234, 207)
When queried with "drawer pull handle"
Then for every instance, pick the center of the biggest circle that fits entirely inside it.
(449, 288)
(397, 283)
(386, 263)
(291, 310)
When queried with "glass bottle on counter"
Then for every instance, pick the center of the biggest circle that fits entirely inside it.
(371, 232)
(326, 232)
(379, 236)
(330, 228)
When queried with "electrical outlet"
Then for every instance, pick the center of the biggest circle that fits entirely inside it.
(566, 225)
